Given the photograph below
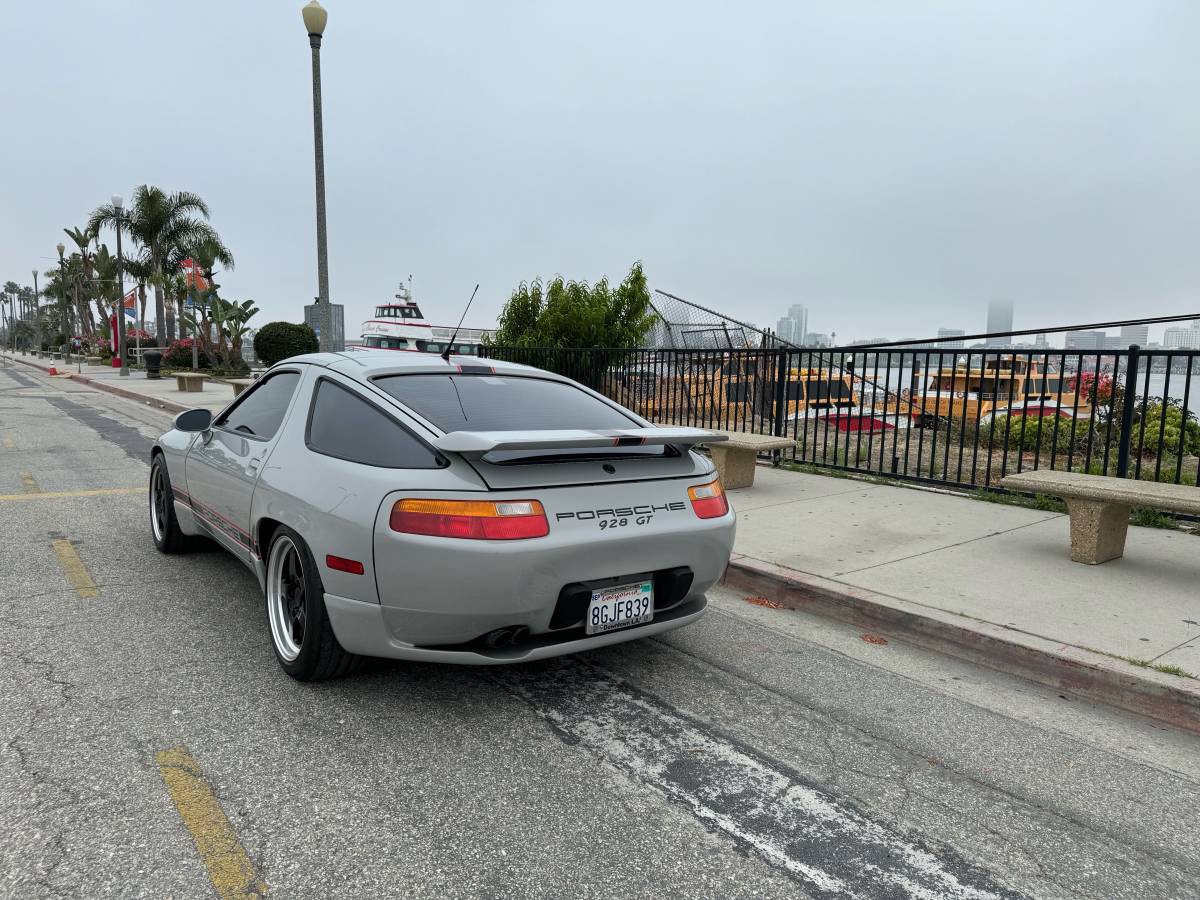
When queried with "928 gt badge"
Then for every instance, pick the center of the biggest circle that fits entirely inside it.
(620, 516)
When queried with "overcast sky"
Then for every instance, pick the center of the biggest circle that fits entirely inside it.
(892, 165)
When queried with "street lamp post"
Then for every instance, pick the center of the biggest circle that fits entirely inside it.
(315, 17)
(37, 312)
(118, 203)
(62, 289)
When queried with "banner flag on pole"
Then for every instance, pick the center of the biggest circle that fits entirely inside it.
(192, 275)
(130, 304)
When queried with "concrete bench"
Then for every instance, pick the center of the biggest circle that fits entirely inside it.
(192, 382)
(1099, 506)
(239, 384)
(92, 360)
(735, 458)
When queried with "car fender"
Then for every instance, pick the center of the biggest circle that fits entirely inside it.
(173, 447)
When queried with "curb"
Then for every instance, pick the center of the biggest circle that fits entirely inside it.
(1084, 673)
(165, 405)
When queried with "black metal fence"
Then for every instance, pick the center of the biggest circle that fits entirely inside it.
(954, 417)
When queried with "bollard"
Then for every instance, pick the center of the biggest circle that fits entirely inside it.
(153, 361)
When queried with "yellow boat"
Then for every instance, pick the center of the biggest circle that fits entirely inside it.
(1004, 386)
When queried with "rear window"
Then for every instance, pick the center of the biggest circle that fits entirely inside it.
(501, 403)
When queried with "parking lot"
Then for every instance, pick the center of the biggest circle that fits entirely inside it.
(152, 747)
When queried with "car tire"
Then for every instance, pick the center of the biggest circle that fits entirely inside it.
(301, 634)
(164, 527)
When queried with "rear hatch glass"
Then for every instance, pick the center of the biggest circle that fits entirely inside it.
(501, 403)
(476, 402)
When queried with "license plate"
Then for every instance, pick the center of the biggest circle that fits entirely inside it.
(620, 607)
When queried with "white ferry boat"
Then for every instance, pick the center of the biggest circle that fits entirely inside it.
(400, 326)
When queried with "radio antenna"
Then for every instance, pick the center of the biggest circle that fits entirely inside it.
(446, 352)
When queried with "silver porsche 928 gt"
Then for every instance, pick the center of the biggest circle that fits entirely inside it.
(470, 511)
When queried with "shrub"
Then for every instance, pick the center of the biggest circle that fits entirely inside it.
(1036, 433)
(179, 355)
(280, 340)
(1177, 430)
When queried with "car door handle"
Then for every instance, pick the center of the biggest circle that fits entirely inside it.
(253, 464)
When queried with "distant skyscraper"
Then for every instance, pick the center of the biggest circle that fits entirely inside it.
(999, 319)
(1180, 337)
(950, 338)
(1135, 334)
(1086, 340)
(793, 327)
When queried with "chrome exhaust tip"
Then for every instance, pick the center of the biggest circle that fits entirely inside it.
(501, 637)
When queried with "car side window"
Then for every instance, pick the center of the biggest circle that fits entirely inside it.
(261, 411)
(346, 426)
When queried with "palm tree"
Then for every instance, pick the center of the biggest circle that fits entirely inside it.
(80, 267)
(207, 253)
(105, 289)
(141, 270)
(157, 222)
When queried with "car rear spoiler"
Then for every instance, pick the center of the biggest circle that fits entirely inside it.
(477, 443)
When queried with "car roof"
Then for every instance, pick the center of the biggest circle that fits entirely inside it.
(365, 364)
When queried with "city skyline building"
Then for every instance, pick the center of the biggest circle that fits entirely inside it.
(999, 319)
(1135, 334)
(1087, 340)
(1182, 337)
(793, 327)
(951, 338)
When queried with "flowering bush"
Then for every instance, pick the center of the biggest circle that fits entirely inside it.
(1091, 388)
(179, 355)
(138, 334)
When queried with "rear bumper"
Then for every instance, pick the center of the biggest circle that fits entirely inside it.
(362, 628)
(438, 591)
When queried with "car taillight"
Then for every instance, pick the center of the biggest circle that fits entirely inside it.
(708, 500)
(480, 520)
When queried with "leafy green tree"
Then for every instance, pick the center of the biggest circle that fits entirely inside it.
(230, 320)
(562, 313)
(280, 340)
(159, 222)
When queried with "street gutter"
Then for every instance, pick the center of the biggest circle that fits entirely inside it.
(1172, 699)
(155, 402)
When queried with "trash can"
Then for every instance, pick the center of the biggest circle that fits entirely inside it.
(153, 361)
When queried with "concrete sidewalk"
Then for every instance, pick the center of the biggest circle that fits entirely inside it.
(987, 581)
(161, 393)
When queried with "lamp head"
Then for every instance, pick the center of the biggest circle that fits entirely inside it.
(315, 17)
(60, 248)
(118, 201)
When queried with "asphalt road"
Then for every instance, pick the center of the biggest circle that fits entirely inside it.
(152, 748)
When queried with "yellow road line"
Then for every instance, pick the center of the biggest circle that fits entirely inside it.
(76, 571)
(57, 495)
(229, 866)
(29, 483)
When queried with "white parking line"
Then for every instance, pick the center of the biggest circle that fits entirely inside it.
(821, 840)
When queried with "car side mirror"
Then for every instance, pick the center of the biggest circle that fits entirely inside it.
(194, 420)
